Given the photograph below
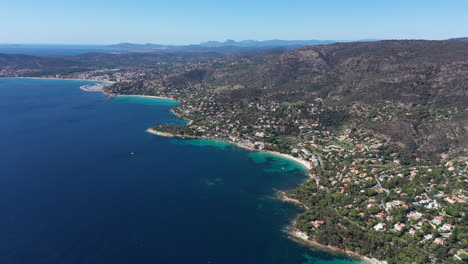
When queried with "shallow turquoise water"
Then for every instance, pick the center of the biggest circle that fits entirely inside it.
(144, 101)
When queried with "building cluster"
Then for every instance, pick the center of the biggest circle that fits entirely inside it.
(418, 202)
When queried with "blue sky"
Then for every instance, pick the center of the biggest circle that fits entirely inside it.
(194, 21)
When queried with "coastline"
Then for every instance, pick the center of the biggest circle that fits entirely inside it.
(294, 234)
(303, 163)
(300, 237)
(145, 96)
(290, 157)
(283, 197)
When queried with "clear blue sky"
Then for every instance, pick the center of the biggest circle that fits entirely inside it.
(194, 21)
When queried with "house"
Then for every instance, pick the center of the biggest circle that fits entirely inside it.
(445, 235)
(461, 254)
(428, 236)
(399, 226)
(437, 220)
(435, 223)
(446, 227)
(394, 203)
(439, 241)
(381, 214)
(432, 205)
(414, 215)
(450, 200)
(317, 223)
(380, 226)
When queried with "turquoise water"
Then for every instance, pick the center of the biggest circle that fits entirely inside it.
(82, 182)
(144, 101)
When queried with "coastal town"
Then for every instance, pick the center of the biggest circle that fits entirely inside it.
(234, 132)
(372, 192)
(360, 185)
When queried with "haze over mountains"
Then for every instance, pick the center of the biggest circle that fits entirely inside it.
(459, 39)
(225, 47)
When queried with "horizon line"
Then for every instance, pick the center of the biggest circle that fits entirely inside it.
(219, 41)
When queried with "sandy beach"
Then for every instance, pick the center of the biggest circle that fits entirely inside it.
(290, 157)
(303, 163)
(295, 234)
(146, 96)
(130, 95)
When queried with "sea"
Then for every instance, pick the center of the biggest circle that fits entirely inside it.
(54, 50)
(82, 182)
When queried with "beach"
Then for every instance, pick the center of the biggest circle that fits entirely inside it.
(146, 96)
(303, 163)
(295, 234)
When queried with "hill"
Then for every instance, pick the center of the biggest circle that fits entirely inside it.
(414, 92)
(458, 39)
(381, 125)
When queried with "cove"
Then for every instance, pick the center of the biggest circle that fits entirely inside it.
(82, 182)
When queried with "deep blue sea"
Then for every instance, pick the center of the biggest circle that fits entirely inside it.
(82, 182)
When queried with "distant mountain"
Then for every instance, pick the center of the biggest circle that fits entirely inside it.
(458, 39)
(225, 47)
(137, 46)
(266, 43)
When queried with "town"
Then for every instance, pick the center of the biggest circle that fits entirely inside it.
(360, 186)
(387, 172)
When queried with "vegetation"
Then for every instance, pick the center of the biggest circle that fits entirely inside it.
(382, 125)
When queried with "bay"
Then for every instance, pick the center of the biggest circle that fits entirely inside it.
(82, 182)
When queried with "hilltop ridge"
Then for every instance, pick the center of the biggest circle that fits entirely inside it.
(409, 84)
